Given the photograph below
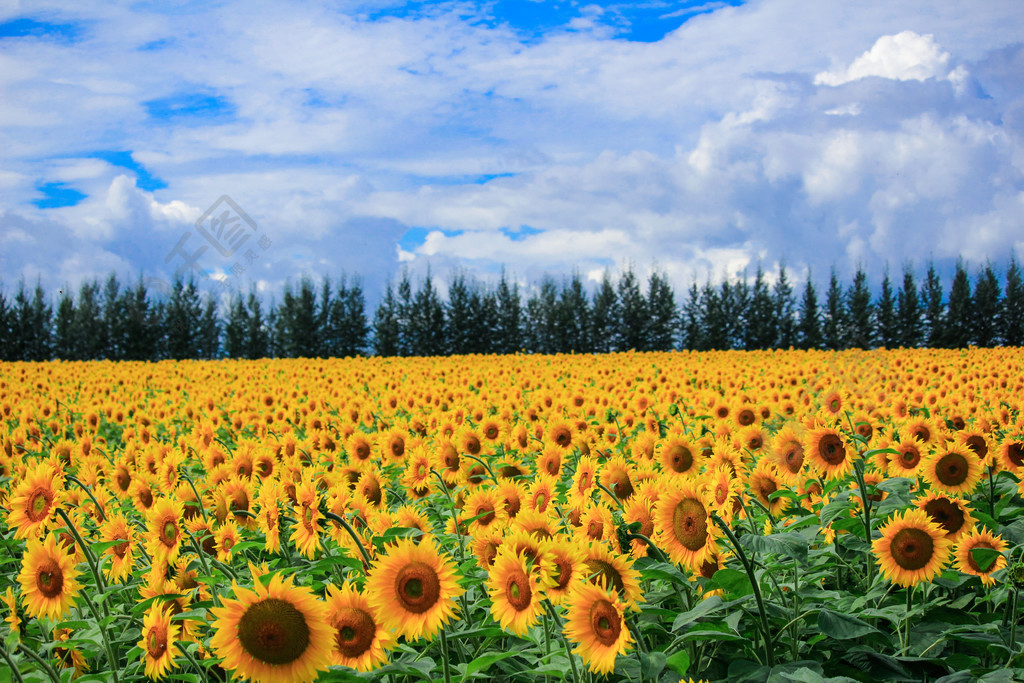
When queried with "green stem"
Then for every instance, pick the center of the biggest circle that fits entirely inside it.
(199, 499)
(41, 662)
(991, 494)
(115, 664)
(10, 662)
(486, 466)
(565, 641)
(203, 671)
(444, 657)
(906, 623)
(90, 558)
(1013, 627)
(351, 532)
(99, 508)
(858, 468)
(768, 650)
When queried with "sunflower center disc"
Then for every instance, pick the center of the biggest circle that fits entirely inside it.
(49, 579)
(912, 549)
(952, 469)
(605, 622)
(156, 644)
(170, 534)
(910, 457)
(120, 549)
(690, 524)
(38, 504)
(599, 569)
(794, 458)
(274, 631)
(518, 592)
(972, 563)
(355, 632)
(831, 449)
(945, 514)
(680, 458)
(417, 587)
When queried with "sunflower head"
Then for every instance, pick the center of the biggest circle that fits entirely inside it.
(912, 548)
(596, 623)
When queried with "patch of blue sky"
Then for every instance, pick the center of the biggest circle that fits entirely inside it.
(191, 107)
(57, 195)
(25, 27)
(154, 45)
(143, 179)
(521, 233)
(416, 236)
(641, 22)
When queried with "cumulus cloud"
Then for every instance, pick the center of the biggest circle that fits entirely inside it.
(903, 57)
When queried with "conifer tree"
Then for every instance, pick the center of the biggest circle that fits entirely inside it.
(182, 321)
(604, 316)
(258, 336)
(1011, 317)
(386, 331)
(509, 318)
(908, 312)
(809, 329)
(662, 315)
(460, 317)
(693, 319)
(785, 307)
(236, 328)
(860, 330)
(834, 327)
(426, 321)
(573, 326)
(985, 309)
(64, 325)
(934, 309)
(888, 331)
(632, 313)
(89, 341)
(354, 324)
(113, 320)
(760, 329)
(959, 319)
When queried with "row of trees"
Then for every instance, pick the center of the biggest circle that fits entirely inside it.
(116, 322)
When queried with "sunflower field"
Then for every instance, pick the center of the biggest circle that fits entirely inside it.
(740, 516)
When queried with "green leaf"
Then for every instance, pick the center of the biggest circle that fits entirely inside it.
(667, 572)
(843, 626)
(789, 544)
(484, 662)
(985, 557)
(706, 607)
(837, 507)
(732, 581)
(679, 662)
(651, 665)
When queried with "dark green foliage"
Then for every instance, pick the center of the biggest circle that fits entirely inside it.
(959, 319)
(908, 312)
(508, 332)
(860, 332)
(632, 313)
(834, 328)
(761, 327)
(1011, 317)
(604, 316)
(809, 328)
(986, 308)
(386, 330)
(785, 307)
(934, 309)
(888, 331)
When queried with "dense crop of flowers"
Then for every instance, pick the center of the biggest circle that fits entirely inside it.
(724, 515)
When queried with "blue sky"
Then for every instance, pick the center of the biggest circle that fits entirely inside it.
(698, 138)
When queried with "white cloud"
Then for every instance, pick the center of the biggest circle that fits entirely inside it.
(903, 57)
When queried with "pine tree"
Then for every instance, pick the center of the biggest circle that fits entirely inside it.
(986, 308)
(958, 317)
(329, 319)
(90, 339)
(715, 306)
(604, 318)
(809, 328)
(761, 328)
(236, 328)
(908, 312)
(693, 318)
(632, 313)
(64, 325)
(573, 325)
(140, 324)
(182, 321)
(32, 325)
(403, 311)
(834, 327)
(6, 328)
(386, 332)
(509, 317)
(662, 314)
(785, 308)
(258, 336)
(461, 329)
(113, 320)
(355, 327)
(735, 301)
(860, 331)
(888, 330)
(209, 330)
(426, 321)
(934, 309)
(1011, 317)
(542, 318)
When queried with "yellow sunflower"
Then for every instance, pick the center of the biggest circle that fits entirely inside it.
(360, 641)
(828, 452)
(980, 538)
(953, 469)
(33, 501)
(516, 592)
(603, 566)
(158, 643)
(48, 578)
(117, 528)
(306, 529)
(788, 454)
(278, 633)
(163, 538)
(561, 560)
(905, 463)
(596, 623)
(678, 456)
(413, 589)
(952, 514)
(682, 520)
(912, 548)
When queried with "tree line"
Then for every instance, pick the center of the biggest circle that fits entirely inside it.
(329, 318)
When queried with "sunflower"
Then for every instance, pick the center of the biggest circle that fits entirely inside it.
(542, 492)
(268, 519)
(953, 469)
(516, 592)
(360, 448)
(413, 589)
(583, 481)
(33, 501)
(487, 506)
(952, 514)
(615, 475)
(905, 462)
(602, 565)
(922, 429)
(158, 643)
(225, 538)
(912, 548)
(980, 538)
(678, 456)
(561, 561)
(1010, 453)
(596, 524)
(550, 462)
(834, 402)
(306, 529)
(417, 469)
(828, 452)
(163, 538)
(486, 544)
(360, 642)
(638, 511)
(117, 528)
(68, 657)
(763, 482)
(682, 520)
(392, 444)
(596, 623)
(787, 452)
(12, 618)
(278, 633)
(561, 434)
(723, 491)
(48, 578)
(468, 441)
